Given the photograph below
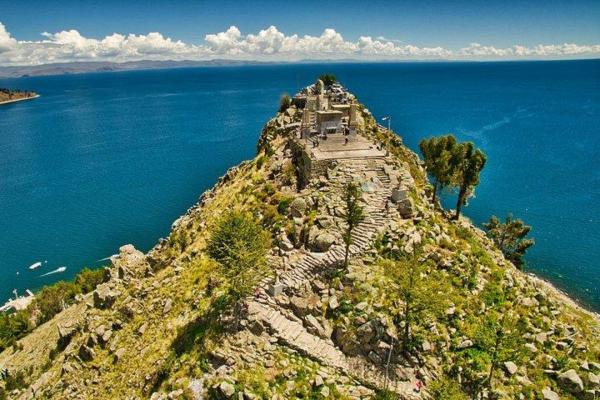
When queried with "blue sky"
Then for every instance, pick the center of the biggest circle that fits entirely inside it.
(451, 25)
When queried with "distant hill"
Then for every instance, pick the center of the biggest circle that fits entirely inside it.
(103, 66)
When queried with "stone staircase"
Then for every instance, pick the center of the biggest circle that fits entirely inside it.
(290, 330)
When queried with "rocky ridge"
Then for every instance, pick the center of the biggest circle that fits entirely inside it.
(312, 328)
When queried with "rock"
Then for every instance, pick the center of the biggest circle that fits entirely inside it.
(65, 334)
(593, 380)
(465, 344)
(298, 207)
(324, 392)
(86, 353)
(299, 305)
(106, 336)
(541, 337)
(549, 394)
(142, 328)
(104, 296)
(531, 347)
(426, 346)
(318, 381)
(168, 306)
(406, 208)
(571, 381)
(323, 242)
(227, 389)
(314, 325)
(119, 354)
(333, 302)
(510, 367)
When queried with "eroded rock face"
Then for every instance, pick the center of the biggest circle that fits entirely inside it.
(130, 262)
(571, 381)
(105, 296)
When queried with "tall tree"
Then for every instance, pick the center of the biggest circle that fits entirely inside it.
(469, 163)
(439, 154)
(353, 215)
(328, 79)
(510, 237)
(417, 290)
(240, 246)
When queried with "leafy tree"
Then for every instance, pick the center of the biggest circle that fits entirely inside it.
(285, 102)
(328, 79)
(53, 299)
(439, 154)
(239, 244)
(354, 215)
(510, 237)
(418, 288)
(497, 335)
(445, 388)
(469, 163)
(87, 279)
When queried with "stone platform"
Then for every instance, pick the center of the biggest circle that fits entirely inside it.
(335, 147)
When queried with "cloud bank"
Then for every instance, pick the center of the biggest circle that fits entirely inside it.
(267, 45)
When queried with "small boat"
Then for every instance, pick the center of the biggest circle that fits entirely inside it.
(35, 265)
(56, 271)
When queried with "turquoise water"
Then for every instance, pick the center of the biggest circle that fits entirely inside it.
(101, 160)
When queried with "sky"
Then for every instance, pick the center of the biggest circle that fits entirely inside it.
(39, 32)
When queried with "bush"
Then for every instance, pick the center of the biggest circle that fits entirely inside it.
(239, 244)
(285, 102)
(87, 279)
(328, 79)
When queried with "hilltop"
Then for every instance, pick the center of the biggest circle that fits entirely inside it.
(161, 325)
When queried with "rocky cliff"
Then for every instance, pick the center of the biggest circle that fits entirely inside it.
(315, 328)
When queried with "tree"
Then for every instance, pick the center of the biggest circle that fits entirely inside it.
(239, 244)
(497, 334)
(354, 215)
(418, 291)
(328, 79)
(469, 163)
(439, 154)
(285, 101)
(510, 237)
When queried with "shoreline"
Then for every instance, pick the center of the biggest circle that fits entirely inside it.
(21, 99)
(562, 295)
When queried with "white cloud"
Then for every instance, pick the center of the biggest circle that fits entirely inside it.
(268, 44)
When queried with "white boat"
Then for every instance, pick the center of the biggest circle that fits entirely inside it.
(35, 265)
(56, 271)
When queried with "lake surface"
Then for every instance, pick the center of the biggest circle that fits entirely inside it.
(101, 160)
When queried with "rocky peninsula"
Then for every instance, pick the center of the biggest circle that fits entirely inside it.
(8, 96)
(342, 280)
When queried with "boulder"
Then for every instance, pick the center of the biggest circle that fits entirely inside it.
(510, 367)
(333, 302)
(323, 242)
(86, 353)
(549, 394)
(593, 380)
(226, 389)
(65, 334)
(298, 207)
(570, 381)
(104, 296)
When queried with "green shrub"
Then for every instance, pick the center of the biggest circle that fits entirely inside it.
(87, 279)
(285, 102)
(239, 244)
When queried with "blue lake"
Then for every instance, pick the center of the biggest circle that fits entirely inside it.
(101, 160)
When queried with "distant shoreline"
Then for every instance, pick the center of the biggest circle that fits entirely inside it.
(21, 99)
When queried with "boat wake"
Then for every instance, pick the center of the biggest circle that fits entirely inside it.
(56, 271)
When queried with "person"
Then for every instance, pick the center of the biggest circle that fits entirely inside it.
(346, 140)
(418, 385)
